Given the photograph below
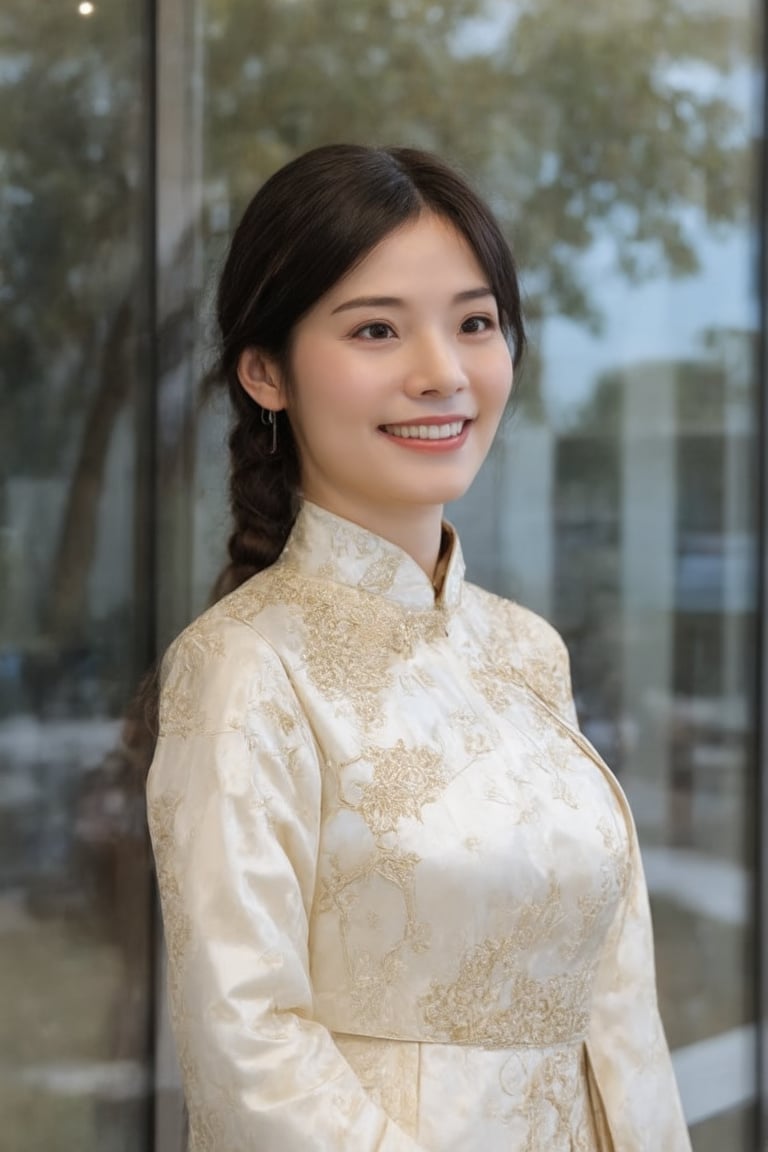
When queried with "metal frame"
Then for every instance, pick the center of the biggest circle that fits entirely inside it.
(760, 818)
(177, 205)
(146, 476)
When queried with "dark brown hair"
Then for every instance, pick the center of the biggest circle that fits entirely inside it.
(309, 225)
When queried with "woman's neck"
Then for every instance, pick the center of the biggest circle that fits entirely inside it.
(418, 531)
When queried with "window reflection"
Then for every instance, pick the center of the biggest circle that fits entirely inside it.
(74, 880)
(615, 145)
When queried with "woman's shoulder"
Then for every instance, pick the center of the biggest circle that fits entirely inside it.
(222, 655)
(226, 625)
(233, 621)
(516, 623)
(522, 643)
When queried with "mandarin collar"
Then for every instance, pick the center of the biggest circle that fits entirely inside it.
(328, 547)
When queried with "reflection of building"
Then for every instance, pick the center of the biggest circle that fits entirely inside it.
(634, 530)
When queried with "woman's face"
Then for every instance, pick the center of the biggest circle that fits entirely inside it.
(400, 375)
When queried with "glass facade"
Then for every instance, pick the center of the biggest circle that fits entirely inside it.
(75, 612)
(621, 146)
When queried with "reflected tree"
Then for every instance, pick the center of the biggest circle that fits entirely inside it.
(72, 199)
(580, 122)
(583, 124)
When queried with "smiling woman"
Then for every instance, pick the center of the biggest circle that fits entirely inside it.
(330, 240)
(396, 383)
(402, 893)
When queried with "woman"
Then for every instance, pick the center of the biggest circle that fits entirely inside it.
(402, 894)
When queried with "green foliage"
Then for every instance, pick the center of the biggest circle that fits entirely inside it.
(579, 121)
(71, 208)
(589, 123)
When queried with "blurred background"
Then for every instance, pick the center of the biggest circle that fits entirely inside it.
(621, 144)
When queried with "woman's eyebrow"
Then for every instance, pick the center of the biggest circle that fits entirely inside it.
(397, 302)
(370, 302)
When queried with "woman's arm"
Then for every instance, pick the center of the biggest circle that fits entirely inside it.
(234, 806)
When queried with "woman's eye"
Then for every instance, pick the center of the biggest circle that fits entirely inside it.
(475, 324)
(375, 331)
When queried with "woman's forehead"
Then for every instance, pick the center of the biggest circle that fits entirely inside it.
(427, 252)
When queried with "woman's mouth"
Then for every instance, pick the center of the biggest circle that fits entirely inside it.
(426, 431)
(435, 437)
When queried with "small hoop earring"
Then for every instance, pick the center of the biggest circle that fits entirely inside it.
(268, 417)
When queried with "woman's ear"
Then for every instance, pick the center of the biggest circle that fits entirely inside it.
(261, 379)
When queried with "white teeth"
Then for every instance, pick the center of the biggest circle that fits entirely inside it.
(425, 431)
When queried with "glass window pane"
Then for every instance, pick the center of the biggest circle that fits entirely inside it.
(616, 143)
(74, 876)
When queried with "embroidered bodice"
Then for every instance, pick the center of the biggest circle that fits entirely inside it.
(402, 895)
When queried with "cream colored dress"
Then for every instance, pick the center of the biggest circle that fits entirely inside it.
(402, 895)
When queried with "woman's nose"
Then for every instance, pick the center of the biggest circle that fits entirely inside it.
(436, 369)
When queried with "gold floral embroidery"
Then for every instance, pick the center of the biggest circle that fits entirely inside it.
(380, 575)
(403, 781)
(352, 642)
(476, 737)
(525, 809)
(325, 546)
(286, 720)
(162, 818)
(561, 791)
(340, 890)
(618, 849)
(551, 1109)
(494, 1002)
(526, 654)
(184, 670)
(536, 1013)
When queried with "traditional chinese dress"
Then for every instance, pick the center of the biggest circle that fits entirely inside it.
(402, 895)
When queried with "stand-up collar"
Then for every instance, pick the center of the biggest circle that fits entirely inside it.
(324, 545)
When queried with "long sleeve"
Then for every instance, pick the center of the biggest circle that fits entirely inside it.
(234, 799)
